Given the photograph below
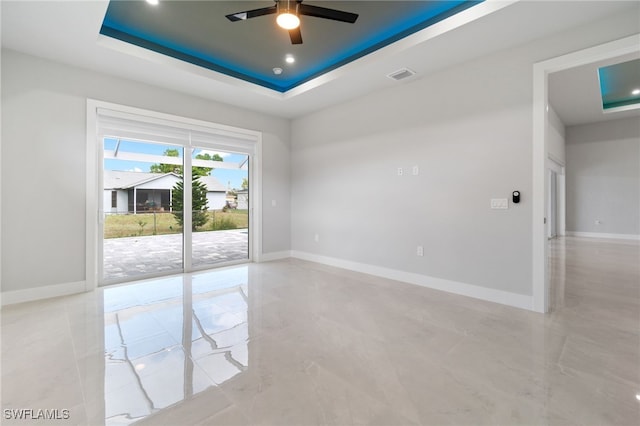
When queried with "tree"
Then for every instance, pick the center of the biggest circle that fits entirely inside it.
(205, 171)
(174, 168)
(198, 203)
(245, 183)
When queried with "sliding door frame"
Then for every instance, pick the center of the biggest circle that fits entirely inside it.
(94, 178)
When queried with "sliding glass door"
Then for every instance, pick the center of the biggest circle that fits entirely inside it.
(220, 207)
(141, 231)
(149, 174)
(167, 194)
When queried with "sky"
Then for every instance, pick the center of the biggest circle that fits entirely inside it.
(229, 178)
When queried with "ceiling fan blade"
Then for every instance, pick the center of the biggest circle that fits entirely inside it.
(323, 12)
(242, 16)
(296, 36)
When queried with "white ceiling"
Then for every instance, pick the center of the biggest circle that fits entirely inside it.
(68, 32)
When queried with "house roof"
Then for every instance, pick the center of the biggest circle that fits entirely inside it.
(213, 184)
(116, 179)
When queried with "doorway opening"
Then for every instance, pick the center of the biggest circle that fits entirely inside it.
(556, 199)
(540, 232)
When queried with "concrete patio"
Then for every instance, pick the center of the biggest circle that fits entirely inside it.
(137, 256)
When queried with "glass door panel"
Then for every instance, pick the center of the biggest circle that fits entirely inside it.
(220, 207)
(142, 223)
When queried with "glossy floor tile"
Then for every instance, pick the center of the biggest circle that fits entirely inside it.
(297, 343)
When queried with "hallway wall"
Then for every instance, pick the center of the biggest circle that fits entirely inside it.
(603, 178)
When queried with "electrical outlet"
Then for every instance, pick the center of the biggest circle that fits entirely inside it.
(316, 238)
(400, 171)
(415, 171)
(598, 222)
(420, 251)
(273, 203)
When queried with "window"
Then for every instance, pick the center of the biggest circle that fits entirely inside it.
(114, 199)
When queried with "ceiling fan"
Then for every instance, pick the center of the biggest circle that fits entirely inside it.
(289, 12)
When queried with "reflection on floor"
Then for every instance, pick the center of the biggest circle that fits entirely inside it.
(293, 342)
(167, 340)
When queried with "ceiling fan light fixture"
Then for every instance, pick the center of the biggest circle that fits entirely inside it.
(288, 21)
(288, 13)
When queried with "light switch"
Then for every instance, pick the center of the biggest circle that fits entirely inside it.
(499, 203)
(273, 203)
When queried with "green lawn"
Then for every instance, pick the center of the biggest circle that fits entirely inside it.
(131, 225)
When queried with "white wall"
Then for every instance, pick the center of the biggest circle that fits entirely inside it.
(216, 200)
(469, 130)
(123, 201)
(43, 116)
(471, 141)
(556, 223)
(243, 201)
(556, 137)
(1, 181)
(603, 177)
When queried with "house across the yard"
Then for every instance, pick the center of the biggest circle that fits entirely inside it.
(137, 192)
(243, 199)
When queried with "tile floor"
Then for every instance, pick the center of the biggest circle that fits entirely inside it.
(297, 343)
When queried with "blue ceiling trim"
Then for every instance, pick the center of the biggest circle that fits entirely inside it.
(617, 82)
(621, 103)
(436, 12)
(184, 54)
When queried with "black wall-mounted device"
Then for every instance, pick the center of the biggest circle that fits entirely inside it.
(516, 197)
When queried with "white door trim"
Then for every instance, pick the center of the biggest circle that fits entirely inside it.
(541, 71)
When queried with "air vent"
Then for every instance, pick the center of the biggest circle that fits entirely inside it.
(401, 74)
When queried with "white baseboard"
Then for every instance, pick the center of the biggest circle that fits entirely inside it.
(38, 293)
(603, 235)
(470, 290)
(277, 255)
(478, 292)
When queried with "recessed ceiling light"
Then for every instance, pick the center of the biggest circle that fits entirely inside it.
(289, 59)
(638, 396)
(635, 92)
(277, 71)
(153, 2)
